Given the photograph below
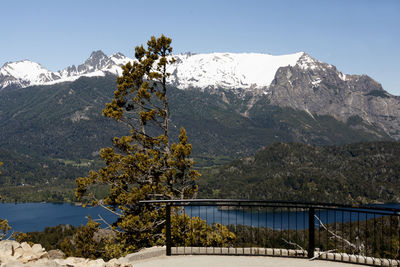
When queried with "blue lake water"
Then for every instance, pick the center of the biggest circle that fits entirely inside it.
(28, 217)
(279, 219)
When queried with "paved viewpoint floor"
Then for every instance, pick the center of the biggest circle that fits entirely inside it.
(234, 261)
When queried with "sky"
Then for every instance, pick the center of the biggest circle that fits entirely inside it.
(357, 36)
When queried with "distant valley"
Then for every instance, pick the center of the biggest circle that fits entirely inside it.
(52, 130)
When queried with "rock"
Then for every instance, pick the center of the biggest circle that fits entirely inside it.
(18, 252)
(7, 247)
(14, 254)
(56, 254)
(113, 263)
(12, 264)
(121, 262)
(37, 248)
(25, 246)
(96, 263)
(72, 261)
(44, 263)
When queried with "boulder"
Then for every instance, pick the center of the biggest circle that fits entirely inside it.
(7, 247)
(56, 254)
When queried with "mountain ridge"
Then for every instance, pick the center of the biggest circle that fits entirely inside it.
(296, 81)
(212, 70)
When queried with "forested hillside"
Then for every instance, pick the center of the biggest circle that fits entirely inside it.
(52, 134)
(356, 173)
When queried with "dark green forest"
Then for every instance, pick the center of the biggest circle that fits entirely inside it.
(356, 173)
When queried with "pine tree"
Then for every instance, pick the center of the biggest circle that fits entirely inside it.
(142, 165)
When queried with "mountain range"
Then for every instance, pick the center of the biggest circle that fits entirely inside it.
(232, 105)
(295, 81)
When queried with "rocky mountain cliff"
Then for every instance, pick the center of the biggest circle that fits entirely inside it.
(321, 89)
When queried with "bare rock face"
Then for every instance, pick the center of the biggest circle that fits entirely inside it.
(321, 89)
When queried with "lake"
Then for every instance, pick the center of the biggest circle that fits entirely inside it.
(28, 217)
(280, 218)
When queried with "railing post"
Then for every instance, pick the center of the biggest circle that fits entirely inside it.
(168, 229)
(311, 232)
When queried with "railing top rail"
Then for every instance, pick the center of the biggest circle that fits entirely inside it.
(282, 203)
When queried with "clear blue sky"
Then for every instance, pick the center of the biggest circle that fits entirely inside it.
(357, 36)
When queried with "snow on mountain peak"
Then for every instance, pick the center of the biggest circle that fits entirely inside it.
(23, 73)
(24, 69)
(246, 71)
(228, 70)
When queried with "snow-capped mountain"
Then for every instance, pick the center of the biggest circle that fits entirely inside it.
(26, 73)
(204, 71)
(295, 81)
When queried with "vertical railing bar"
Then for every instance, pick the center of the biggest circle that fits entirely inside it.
(266, 227)
(297, 233)
(206, 245)
(221, 224)
(390, 234)
(366, 232)
(199, 236)
(398, 232)
(304, 226)
(236, 225)
(341, 258)
(258, 227)
(243, 244)
(273, 229)
(184, 247)
(213, 216)
(319, 229)
(335, 239)
(191, 230)
(311, 234)
(327, 222)
(358, 234)
(229, 208)
(281, 234)
(351, 224)
(288, 227)
(251, 229)
(374, 233)
(168, 229)
(380, 249)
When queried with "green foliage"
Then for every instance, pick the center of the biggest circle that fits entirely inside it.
(51, 237)
(83, 243)
(357, 173)
(4, 228)
(142, 165)
(194, 231)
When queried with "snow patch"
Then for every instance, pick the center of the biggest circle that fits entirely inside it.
(316, 82)
(342, 76)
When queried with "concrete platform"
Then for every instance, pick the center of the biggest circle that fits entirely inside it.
(234, 261)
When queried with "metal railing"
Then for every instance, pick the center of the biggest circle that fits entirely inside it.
(358, 234)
